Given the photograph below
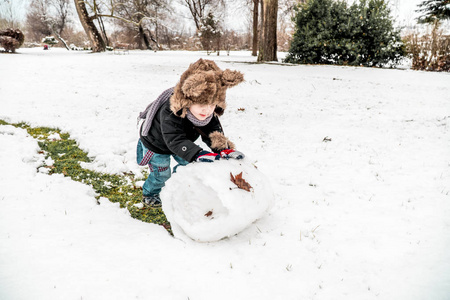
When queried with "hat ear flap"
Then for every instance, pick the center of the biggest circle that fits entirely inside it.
(197, 84)
(231, 78)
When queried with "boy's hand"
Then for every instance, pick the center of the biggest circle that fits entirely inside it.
(205, 156)
(230, 153)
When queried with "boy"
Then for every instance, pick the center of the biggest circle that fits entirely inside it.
(178, 117)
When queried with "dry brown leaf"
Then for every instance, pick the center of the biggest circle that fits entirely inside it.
(240, 182)
(208, 214)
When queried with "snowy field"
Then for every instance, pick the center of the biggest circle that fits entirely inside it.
(358, 158)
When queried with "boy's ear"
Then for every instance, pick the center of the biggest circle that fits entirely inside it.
(198, 83)
(231, 78)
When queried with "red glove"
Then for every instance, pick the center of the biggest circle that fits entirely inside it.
(230, 153)
(205, 156)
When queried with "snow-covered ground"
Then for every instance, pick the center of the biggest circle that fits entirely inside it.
(358, 158)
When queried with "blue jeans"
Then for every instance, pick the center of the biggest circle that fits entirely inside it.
(159, 166)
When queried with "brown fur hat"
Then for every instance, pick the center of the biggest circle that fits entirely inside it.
(203, 83)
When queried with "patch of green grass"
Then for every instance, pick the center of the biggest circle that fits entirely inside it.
(67, 157)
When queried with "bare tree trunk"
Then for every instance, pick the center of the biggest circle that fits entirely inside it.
(218, 44)
(199, 9)
(261, 31)
(270, 31)
(62, 12)
(255, 28)
(154, 40)
(156, 24)
(59, 38)
(103, 30)
(268, 43)
(196, 11)
(146, 41)
(98, 44)
(144, 37)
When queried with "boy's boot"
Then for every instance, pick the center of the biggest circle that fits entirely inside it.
(153, 201)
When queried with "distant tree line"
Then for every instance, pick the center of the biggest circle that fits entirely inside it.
(312, 31)
(150, 24)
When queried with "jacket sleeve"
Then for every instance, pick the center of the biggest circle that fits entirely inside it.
(175, 137)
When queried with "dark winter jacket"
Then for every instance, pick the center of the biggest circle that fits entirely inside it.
(172, 134)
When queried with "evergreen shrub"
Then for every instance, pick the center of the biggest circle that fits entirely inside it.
(332, 32)
(210, 33)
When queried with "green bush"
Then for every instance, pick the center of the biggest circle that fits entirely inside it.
(331, 32)
(210, 33)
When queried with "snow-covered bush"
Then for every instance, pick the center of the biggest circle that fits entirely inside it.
(202, 202)
(75, 48)
(50, 40)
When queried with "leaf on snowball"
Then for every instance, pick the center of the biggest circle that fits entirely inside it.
(240, 182)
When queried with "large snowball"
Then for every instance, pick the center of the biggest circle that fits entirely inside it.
(202, 202)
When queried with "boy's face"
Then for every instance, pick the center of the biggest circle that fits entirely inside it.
(202, 112)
